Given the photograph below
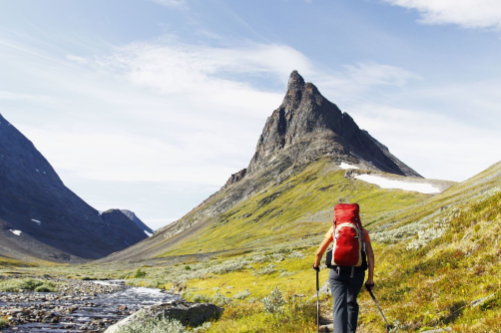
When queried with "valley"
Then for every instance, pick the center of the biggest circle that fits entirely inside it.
(249, 247)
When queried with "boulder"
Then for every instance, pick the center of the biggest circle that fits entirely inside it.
(188, 313)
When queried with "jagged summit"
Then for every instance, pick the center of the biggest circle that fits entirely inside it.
(307, 126)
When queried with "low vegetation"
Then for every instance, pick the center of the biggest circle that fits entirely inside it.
(294, 209)
(17, 285)
(3, 322)
(438, 263)
(161, 325)
(9, 262)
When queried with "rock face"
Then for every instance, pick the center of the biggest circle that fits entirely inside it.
(236, 177)
(307, 126)
(189, 314)
(40, 217)
(137, 221)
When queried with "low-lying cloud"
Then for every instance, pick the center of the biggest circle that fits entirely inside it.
(466, 13)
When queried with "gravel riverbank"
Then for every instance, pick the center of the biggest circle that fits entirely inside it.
(78, 306)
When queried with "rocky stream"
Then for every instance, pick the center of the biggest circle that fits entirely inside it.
(79, 306)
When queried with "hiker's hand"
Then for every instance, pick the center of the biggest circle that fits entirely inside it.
(369, 285)
(317, 268)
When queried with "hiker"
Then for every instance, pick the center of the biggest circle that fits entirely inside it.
(346, 281)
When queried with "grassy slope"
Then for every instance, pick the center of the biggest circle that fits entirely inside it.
(430, 287)
(6, 262)
(457, 258)
(288, 212)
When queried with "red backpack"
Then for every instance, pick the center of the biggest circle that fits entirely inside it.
(348, 238)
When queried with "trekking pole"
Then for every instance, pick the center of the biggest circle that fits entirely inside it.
(318, 305)
(388, 326)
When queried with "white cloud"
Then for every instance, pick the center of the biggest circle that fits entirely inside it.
(435, 145)
(14, 96)
(466, 13)
(175, 68)
(372, 74)
(355, 81)
(181, 4)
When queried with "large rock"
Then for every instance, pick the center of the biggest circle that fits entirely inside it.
(189, 314)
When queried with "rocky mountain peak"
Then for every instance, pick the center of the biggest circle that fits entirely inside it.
(298, 91)
(306, 126)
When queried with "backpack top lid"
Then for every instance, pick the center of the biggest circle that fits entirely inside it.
(347, 213)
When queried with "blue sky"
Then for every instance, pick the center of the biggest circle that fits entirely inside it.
(150, 105)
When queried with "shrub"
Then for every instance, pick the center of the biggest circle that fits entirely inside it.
(201, 298)
(228, 267)
(139, 274)
(270, 269)
(242, 295)
(274, 302)
(220, 300)
(15, 285)
(296, 255)
(3, 322)
(284, 273)
(45, 288)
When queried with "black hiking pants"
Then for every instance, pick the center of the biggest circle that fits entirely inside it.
(344, 292)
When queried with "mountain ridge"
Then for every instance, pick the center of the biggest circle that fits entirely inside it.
(299, 134)
(41, 218)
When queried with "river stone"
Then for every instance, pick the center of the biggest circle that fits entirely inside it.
(188, 313)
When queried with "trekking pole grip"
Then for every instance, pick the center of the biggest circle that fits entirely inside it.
(318, 284)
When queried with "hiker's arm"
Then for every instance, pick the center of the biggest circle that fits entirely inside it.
(321, 250)
(370, 259)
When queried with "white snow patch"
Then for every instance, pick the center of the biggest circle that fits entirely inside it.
(347, 166)
(36, 221)
(16, 232)
(37, 170)
(398, 184)
(44, 173)
(149, 234)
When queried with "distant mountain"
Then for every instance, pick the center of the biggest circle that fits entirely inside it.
(41, 218)
(133, 217)
(305, 133)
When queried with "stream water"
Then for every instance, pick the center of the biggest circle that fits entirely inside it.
(79, 314)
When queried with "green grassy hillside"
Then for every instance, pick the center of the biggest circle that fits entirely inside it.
(293, 210)
(267, 210)
(438, 258)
